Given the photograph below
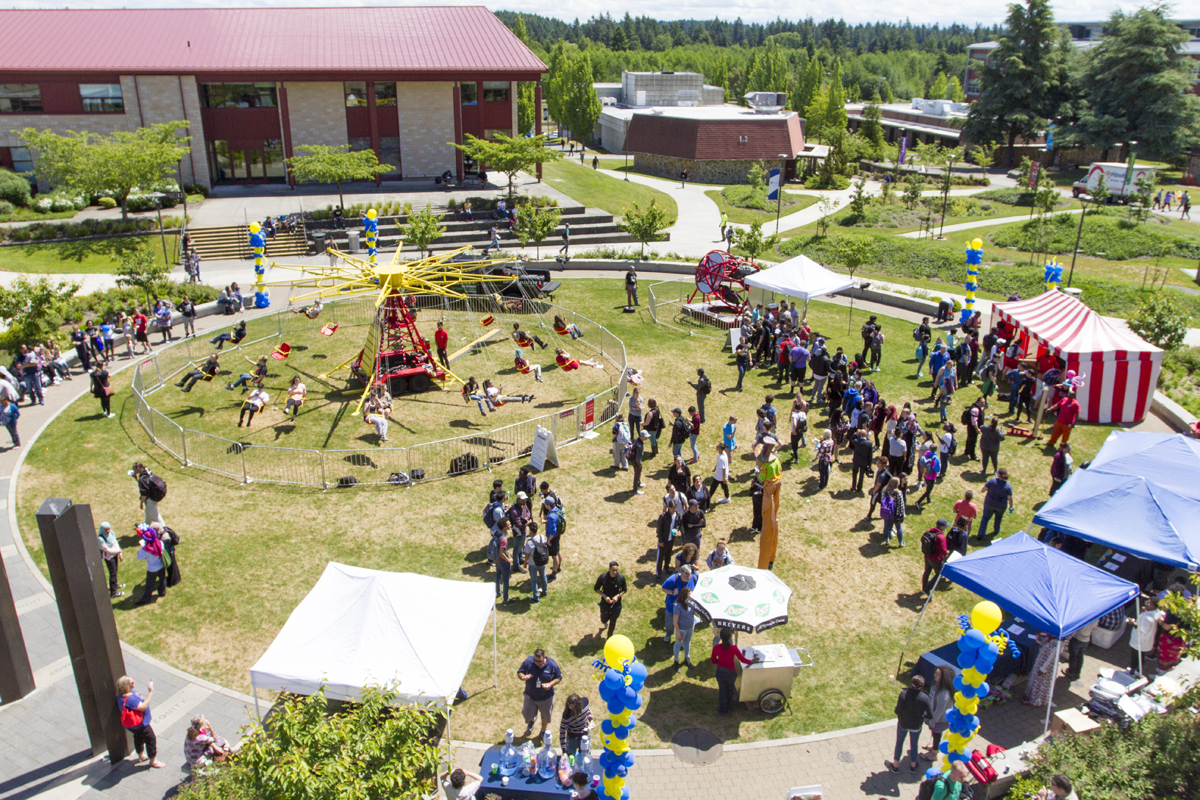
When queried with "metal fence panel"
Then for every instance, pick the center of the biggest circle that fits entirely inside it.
(215, 453)
(450, 456)
(515, 441)
(267, 464)
(168, 435)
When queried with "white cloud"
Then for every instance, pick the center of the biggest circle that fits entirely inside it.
(968, 12)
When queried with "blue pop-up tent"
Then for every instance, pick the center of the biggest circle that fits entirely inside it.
(1055, 592)
(1138, 496)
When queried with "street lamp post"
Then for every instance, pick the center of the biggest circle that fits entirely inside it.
(1078, 234)
(779, 190)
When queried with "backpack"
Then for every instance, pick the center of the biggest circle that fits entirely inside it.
(489, 516)
(887, 506)
(927, 540)
(928, 786)
(867, 330)
(705, 386)
(966, 416)
(541, 554)
(131, 718)
(153, 487)
(493, 548)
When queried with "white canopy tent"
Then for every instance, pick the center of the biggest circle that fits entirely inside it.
(359, 627)
(799, 277)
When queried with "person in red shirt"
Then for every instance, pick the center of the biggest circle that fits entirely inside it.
(723, 655)
(935, 550)
(1068, 414)
(695, 434)
(442, 339)
(1046, 362)
(967, 508)
(139, 331)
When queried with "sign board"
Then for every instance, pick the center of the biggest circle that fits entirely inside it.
(1034, 166)
(543, 450)
(589, 412)
(773, 185)
(903, 150)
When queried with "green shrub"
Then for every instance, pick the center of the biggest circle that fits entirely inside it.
(745, 195)
(1104, 236)
(144, 202)
(106, 202)
(1013, 196)
(6, 208)
(906, 258)
(840, 182)
(1180, 379)
(14, 188)
(195, 188)
(106, 304)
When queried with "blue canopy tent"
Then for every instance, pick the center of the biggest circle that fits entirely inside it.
(1138, 496)
(1053, 591)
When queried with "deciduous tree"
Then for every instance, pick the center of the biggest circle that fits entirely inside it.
(139, 269)
(535, 224)
(32, 310)
(752, 242)
(119, 162)
(644, 225)
(508, 155)
(322, 163)
(422, 230)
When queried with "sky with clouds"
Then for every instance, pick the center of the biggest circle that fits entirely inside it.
(967, 12)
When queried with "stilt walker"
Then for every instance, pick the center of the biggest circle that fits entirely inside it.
(771, 474)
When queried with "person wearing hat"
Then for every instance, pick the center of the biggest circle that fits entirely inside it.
(519, 516)
(524, 367)
(635, 460)
(112, 556)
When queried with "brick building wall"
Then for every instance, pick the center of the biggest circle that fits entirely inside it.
(317, 112)
(161, 101)
(724, 171)
(426, 127)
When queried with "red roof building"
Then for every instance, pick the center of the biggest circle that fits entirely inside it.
(715, 145)
(254, 83)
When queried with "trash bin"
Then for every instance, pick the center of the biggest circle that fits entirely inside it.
(353, 237)
(319, 242)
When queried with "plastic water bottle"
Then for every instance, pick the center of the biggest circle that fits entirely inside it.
(585, 764)
(510, 759)
(547, 761)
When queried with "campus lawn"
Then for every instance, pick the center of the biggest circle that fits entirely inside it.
(79, 256)
(29, 215)
(249, 554)
(596, 190)
(791, 204)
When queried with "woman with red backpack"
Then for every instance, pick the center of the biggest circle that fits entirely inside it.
(136, 718)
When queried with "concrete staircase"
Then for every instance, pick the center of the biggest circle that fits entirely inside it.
(589, 227)
(233, 241)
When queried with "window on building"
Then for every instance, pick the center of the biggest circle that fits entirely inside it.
(385, 93)
(469, 93)
(972, 87)
(21, 159)
(20, 98)
(495, 91)
(356, 93)
(102, 98)
(238, 95)
(273, 156)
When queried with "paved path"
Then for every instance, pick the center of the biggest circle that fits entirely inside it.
(984, 223)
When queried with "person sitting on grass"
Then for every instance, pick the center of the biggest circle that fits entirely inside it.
(566, 363)
(495, 395)
(257, 400)
(234, 336)
(526, 339)
(260, 374)
(206, 371)
(524, 367)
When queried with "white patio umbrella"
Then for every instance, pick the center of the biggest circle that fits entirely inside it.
(741, 599)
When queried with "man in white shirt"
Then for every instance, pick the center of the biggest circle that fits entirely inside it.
(721, 474)
(461, 785)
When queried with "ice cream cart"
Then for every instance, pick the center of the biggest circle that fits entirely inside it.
(768, 684)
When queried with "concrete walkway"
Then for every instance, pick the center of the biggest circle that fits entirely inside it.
(985, 223)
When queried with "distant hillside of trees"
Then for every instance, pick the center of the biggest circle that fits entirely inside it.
(899, 61)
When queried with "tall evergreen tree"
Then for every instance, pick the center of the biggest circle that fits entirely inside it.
(814, 116)
(1027, 83)
(938, 90)
(769, 72)
(954, 91)
(1135, 85)
(835, 106)
(809, 83)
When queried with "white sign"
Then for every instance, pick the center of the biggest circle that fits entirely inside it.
(543, 450)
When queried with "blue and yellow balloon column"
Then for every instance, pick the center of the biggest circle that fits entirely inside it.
(258, 243)
(371, 228)
(979, 645)
(974, 259)
(1053, 274)
(622, 679)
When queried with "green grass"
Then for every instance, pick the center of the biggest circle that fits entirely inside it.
(596, 190)
(791, 204)
(250, 553)
(29, 215)
(77, 257)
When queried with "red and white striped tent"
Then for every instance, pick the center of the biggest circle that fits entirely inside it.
(1119, 368)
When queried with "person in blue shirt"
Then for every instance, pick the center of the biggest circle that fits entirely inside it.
(541, 675)
(1016, 376)
(799, 356)
(672, 585)
(553, 532)
(936, 362)
(144, 741)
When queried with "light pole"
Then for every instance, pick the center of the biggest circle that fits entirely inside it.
(626, 165)
(158, 198)
(1078, 234)
(779, 190)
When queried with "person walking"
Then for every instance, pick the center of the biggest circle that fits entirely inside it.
(941, 700)
(703, 387)
(1060, 468)
(635, 411)
(541, 675)
(724, 224)
(721, 474)
(566, 239)
(151, 551)
(724, 655)
(684, 620)
(631, 286)
(913, 710)
(990, 438)
(101, 389)
(1185, 205)
(935, 551)
(1068, 408)
(876, 347)
(683, 179)
(494, 243)
(636, 453)
(742, 361)
(998, 493)
(860, 464)
(883, 475)
(9, 414)
(665, 530)
(110, 549)
(929, 467)
(825, 457)
(611, 586)
(136, 718)
(680, 430)
(694, 434)
(685, 578)
(503, 558)
(620, 438)
(441, 339)
(892, 511)
(151, 490)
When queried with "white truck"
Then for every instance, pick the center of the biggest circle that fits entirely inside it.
(1120, 186)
